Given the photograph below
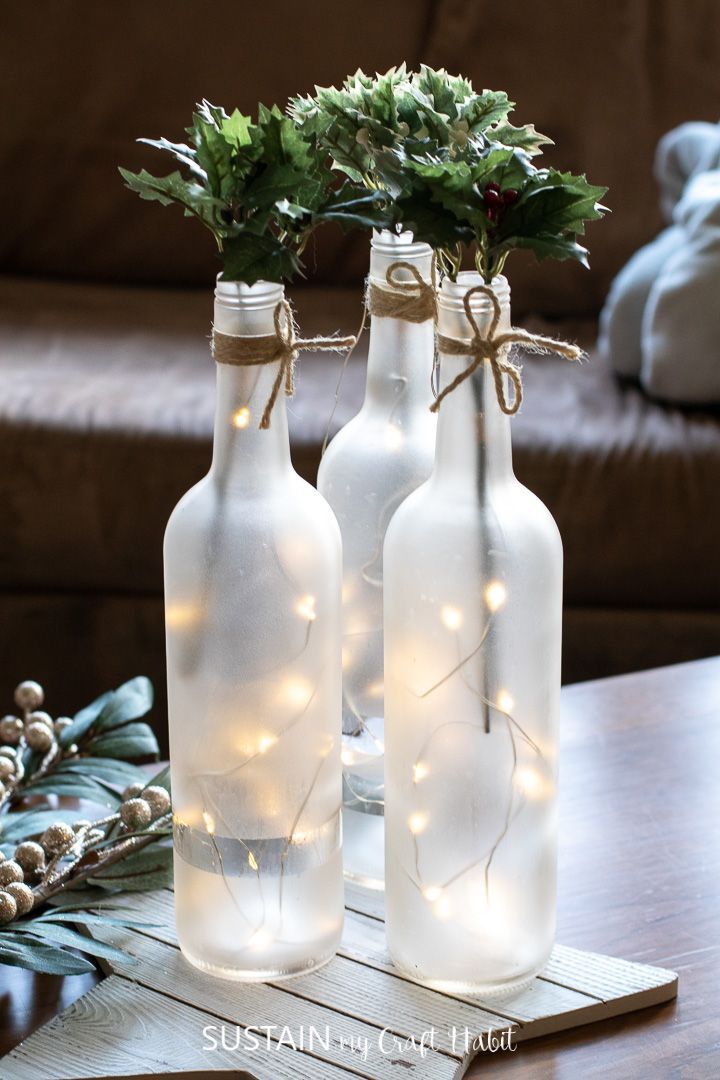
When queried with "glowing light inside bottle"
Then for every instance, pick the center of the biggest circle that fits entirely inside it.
(504, 701)
(417, 823)
(495, 595)
(451, 617)
(306, 608)
(420, 771)
(242, 417)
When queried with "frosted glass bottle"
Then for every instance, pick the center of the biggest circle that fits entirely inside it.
(252, 594)
(473, 598)
(371, 465)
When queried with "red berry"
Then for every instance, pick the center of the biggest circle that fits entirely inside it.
(510, 196)
(492, 197)
(492, 186)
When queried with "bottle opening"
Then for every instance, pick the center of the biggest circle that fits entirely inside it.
(236, 295)
(452, 293)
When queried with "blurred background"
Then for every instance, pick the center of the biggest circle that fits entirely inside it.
(106, 395)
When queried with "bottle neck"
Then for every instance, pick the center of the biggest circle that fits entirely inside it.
(400, 353)
(473, 447)
(244, 455)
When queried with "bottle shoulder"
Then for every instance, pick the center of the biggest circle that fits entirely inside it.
(511, 513)
(292, 503)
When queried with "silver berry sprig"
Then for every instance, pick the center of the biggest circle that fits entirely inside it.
(64, 856)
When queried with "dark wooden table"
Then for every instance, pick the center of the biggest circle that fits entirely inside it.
(639, 879)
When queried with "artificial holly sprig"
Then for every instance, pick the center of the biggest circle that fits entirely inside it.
(262, 189)
(47, 855)
(460, 175)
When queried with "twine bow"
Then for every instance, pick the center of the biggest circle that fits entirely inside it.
(283, 345)
(415, 301)
(495, 348)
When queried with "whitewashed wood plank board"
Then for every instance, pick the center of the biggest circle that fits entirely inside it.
(352, 1001)
(163, 968)
(121, 1029)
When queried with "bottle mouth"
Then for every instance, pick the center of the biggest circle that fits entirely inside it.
(452, 293)
(398, 245)
(236, 295)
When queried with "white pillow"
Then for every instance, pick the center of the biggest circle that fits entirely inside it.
(684, 152)
(681, 324)
(621, 318)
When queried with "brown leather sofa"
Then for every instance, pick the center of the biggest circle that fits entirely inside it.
(106, 396)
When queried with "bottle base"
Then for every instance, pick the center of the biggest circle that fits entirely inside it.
(488, 991)
(278, 974)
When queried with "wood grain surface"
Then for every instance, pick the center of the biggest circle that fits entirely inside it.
(640, 878)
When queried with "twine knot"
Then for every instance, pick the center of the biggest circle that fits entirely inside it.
(495, 348)
(414, 301)
(282, 346)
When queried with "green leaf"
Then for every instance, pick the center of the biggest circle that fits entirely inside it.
(236, 128)
(350, 209)
(23, 824)
(250, 258)
(19, 950)
(64, 935)
(183, 154)
(77, 786)
(132, 740)
(192, 196)
(149, 868)
(87, 918)
(130, 701)
(110, 770)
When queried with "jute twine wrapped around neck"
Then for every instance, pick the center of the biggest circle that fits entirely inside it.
(495, 348)
(283, 346)
(414, 301)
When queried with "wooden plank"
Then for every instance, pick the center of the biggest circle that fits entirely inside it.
(120, 1028)
(163, 968)
(367, 901)
(375, 1022)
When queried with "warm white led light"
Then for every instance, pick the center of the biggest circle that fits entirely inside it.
(180, 616)
(393, 437)
(261, 939)
(306, 608)
(265, 743)
(442, 908)
(347, 757)
(495, 595)
(504, 701)
(417, 823)
(242, 417)
(532, 783)
(296, 692)
(452, 617)
(209, 822)
(432, 893)
(420, 771)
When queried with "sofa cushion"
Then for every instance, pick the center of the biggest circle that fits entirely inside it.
(106, 416)
(603, 80)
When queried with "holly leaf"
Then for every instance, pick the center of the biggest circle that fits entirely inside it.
(250, 257)
(350, 209)
(192, 196)
(236, 129)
